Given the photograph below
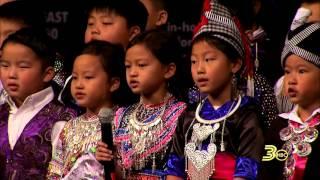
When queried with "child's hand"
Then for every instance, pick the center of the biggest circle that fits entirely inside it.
(103, 153)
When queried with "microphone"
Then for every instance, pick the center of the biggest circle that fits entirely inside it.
(106, 119)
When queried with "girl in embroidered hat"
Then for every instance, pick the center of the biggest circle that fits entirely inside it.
(297, 131)
(224, 133)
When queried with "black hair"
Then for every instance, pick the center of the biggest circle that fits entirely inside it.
(133, 11)
(19, 11)
(160, 4)
(167, 49)
(111, 57)
(38, 41)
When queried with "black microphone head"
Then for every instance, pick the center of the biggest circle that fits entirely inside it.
(105, 115)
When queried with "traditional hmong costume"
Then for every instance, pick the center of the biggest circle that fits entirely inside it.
(300, 143)
(143, 136)
(74, 155)
(219, 143)
(223, 142)
(26, 134)
(217, 18)
(298, 140)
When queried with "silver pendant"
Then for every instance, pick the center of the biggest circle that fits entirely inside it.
(300, 128)
(201, 133)
(303, 149)
(296, 139)
(288, 147)
(200, 158)
(310, 135)
(286, 133)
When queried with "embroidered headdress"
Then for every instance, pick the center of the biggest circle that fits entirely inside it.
(303, 41)
(217, 20)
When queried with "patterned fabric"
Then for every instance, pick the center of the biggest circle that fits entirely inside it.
(304, 42)
(61, 75)
(246, 168)
(175, 165)
(300, 141)
(78, 138)
(122, 138)
(242, 138)
(218, 21)
(208, 112)
(31, 154)
(266, 100)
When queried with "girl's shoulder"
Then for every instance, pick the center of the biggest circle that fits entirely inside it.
(248, 105)
(174, 105)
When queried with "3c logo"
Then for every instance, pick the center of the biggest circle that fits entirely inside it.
(272, 152)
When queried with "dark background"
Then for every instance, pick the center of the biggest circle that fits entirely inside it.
(65, 22)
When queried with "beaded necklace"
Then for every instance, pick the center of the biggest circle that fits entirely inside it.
(298, 138)
(148, 130)
(200, 163)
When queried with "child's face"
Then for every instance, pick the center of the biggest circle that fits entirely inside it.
(145, 74)
(107, 26)
(22, 72)
(8, 27)
(302, 81)
(211, 69)
(90, 85)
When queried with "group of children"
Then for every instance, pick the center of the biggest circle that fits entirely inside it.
(141, 76)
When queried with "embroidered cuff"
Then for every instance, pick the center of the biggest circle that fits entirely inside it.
(246, 168)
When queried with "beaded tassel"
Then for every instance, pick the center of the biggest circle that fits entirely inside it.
(202, 174)
(222, 148)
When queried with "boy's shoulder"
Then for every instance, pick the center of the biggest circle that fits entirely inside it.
(4, 111)
(59, 111)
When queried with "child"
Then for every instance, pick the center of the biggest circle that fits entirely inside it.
(143, 131)
(158, 13)
(309, 11)
(95, 80)
(296, 133)
(223, 138)
(29, 114)
(116, 21)
(13, 16)
(16, 15)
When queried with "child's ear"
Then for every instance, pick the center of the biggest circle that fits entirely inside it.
(115, 84)
(170, 70)
(162, 17)
(133, 31)
(236, 66)
(48, 74)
